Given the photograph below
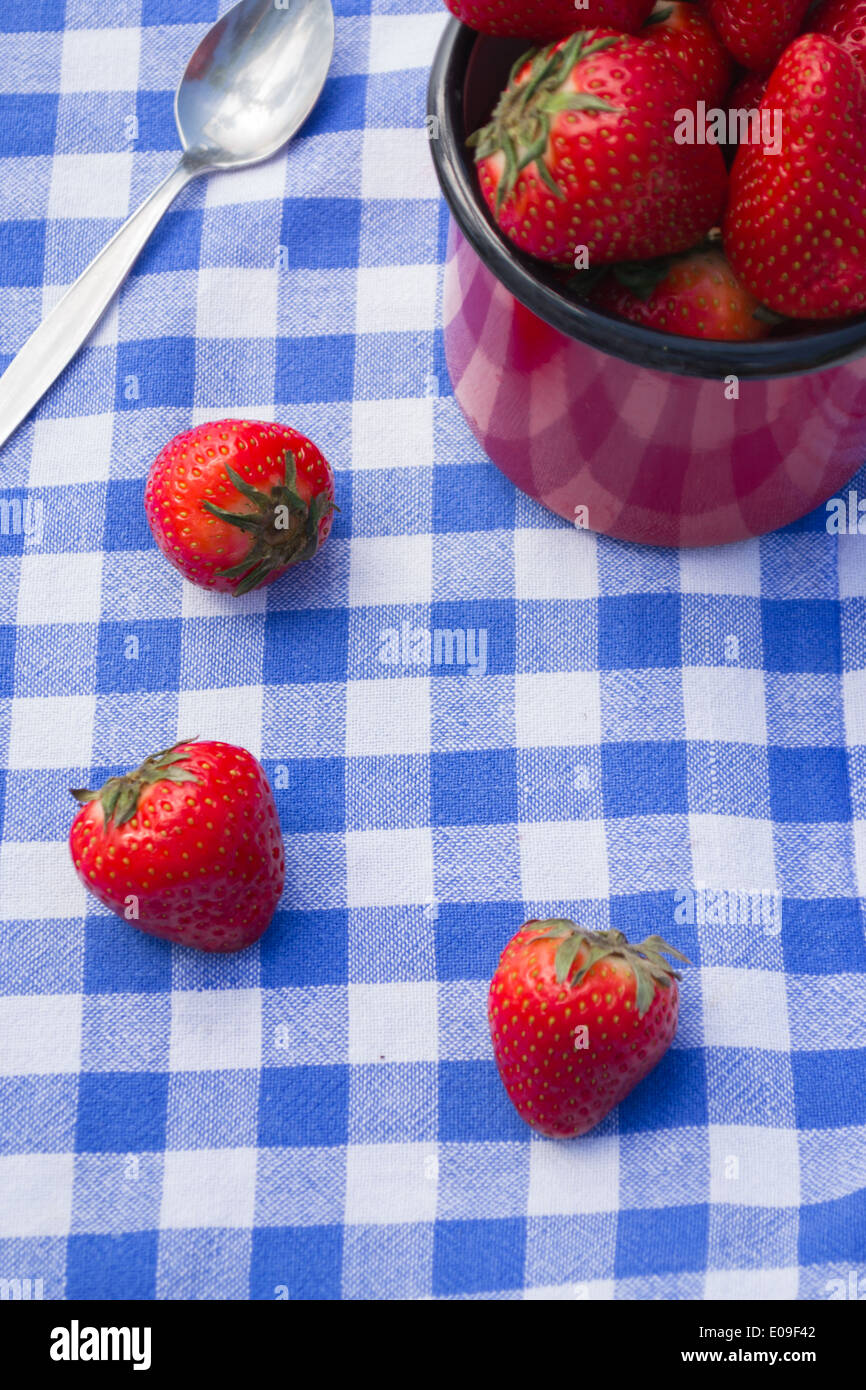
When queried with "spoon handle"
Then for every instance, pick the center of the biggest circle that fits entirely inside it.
(57, 339)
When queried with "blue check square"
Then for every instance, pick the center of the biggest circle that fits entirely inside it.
(297, 1262)
(121, 1112)
(321, 233)
(112, 1267)
(640, 779)
(314, 369)
(139, 656)
(27, 124)
(304, 646)
(310, 794)
(305, 948)
(663, 1240)
(461, 504)
(155, 372)
(639, 631)
(801, 635)
(474, 1107)
(303, 1106)
(477, 788)
(22, 249)
(473, 1257)
(809, 784)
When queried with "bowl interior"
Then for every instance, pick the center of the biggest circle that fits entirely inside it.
(469, 73)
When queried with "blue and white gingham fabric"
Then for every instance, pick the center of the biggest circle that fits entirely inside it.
(319, 1117)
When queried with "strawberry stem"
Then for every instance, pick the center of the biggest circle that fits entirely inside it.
(285, 526)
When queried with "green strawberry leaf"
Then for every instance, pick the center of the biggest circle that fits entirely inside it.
(565, 955)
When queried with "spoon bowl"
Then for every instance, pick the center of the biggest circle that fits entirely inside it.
(253, 81)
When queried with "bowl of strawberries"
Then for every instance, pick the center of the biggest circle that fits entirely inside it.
(655, 290)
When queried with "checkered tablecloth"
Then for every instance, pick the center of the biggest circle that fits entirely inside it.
(320, 1117)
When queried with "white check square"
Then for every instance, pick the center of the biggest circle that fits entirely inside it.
(727, 569)
(391, 1184)
(568, 1179)
(237, 303)
(76, 449)
(40, 1034)
(391, 569)
(402, 41)
(52, 731)
(100, 60)
(854, 693)
(258, 184)
(753, 1166)
(53, 589)
(388, 717)
(392, 434)
(745, 1008)
(557, 709)
(90, 185)
(396, 298)
(38, 882)
(733, 852)
(208, 1188)
(555, 564)
(216, 1029)
(389, 868)
(724, 704)
(752, 1285)
(564, 859)
(233, 714)
(397, 164)
(37, 1195)
(393, 1022)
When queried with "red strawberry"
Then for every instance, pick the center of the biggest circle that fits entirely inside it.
(581, 153)
(757, 32)
(696, 295)
(544, 20)
(578, 1018)
(684, 33)
(795, 230)
(187, 847)
(844, 21)
(233, 504)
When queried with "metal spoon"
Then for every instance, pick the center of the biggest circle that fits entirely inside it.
(249, 86)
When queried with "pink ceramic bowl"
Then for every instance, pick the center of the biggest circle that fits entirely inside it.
(640, 435)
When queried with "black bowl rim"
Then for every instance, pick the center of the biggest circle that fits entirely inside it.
(524, 278)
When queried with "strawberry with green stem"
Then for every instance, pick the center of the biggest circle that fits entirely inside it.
(236, 503)
(187, 847)
(695, 295)
(580, 154)
(578, 1018)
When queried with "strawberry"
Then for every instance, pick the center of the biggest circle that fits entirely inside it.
(188, 847)
(696, 295)
(844, 21)
(685, 34)
(581, 153)
(757, 32)
(795, 229)
(233, 504)
(577, 1019)
(545, 20)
